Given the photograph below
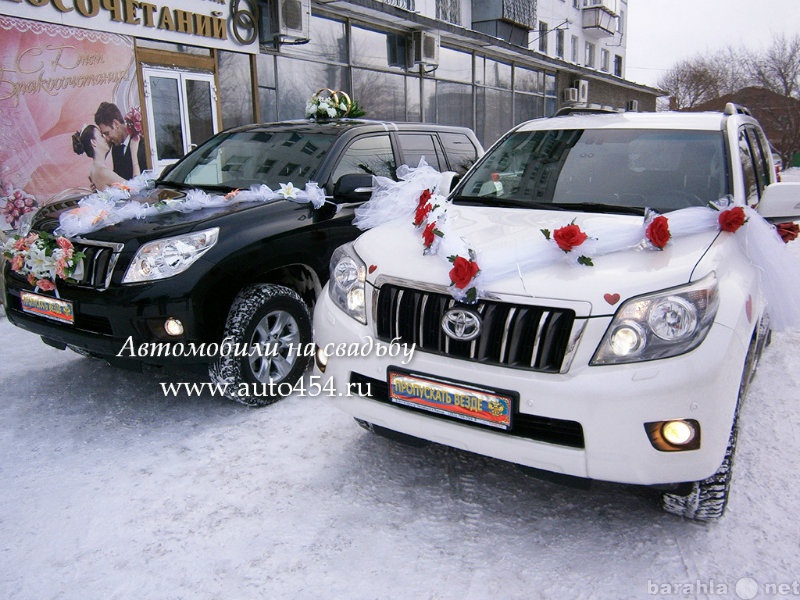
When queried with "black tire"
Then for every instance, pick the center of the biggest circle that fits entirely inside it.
(264, 317)
(707, 499)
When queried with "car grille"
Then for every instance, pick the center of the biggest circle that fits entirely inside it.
(98, 263)
(512, 335)
(534, 427)
(97, 266)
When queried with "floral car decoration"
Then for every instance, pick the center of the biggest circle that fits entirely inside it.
(42, 258)
(473, 268)
(129, 201)
(329, 104)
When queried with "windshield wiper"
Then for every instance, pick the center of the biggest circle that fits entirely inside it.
(180, 185)
(593, 207)
(596, 207)
(491, 201)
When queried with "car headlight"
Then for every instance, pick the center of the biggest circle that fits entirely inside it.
(660, 325)
(347, 283)
(166, 257)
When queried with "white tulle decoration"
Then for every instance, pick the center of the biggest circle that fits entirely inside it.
(780, 271)
(501, 258)
(117, 204)
(392, 200)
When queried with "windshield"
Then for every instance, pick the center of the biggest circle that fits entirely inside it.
(612, 170)
(246, 158)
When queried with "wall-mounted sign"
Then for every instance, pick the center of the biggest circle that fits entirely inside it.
(209, 23)
(52, 81)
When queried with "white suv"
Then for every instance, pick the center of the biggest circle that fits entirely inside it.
(591, 300)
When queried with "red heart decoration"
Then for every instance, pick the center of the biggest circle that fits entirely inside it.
(612, 299)
(372, 268)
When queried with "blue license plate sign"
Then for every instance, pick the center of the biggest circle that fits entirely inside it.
(48, 307)
(452, 399)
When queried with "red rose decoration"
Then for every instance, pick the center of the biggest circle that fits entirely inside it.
(730, 220)
(424, 197)
(463, 272)
(428, 235)
(658, 232)
(422, 212)
(569, 237)
(788, 231)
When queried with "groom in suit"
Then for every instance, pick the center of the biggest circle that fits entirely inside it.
(111, 123)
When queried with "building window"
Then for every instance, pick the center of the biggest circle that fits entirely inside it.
(574, 49)
(576, 3)
(621, 22)
(542, 37)
(407, 4)
(449, 10)
(604, 59)
(560, 43)
(588, 57)
(618, 65)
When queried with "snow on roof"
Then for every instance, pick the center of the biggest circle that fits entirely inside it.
(711, 121)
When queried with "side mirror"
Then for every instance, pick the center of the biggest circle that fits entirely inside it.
(353, 187)
(780, 202)
(448, 182)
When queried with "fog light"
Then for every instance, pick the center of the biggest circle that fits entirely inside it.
(678, 433)
(321, 359)
(173, 327)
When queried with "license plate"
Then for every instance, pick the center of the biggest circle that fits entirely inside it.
(48, 307)
(448, 398)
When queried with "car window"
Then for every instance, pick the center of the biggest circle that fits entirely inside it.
(368, 155)
(748, 167)
(415, 146)
(461, 152)
(659, 169)
(758, 149)
(242, 159)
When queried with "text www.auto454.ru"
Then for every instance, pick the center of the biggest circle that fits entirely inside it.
(310, 387)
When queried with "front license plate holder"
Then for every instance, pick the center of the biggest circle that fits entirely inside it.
(453, 399)
(48, 307)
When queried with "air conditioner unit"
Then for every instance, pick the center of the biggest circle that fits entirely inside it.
(289, 21)
(632, 106)
(425, 48)
(583, 90)
(570, 95)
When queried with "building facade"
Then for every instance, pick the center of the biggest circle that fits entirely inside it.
(193, 67)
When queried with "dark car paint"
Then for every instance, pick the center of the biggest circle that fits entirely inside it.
(257, 244)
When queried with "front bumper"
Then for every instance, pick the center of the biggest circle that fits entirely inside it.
(610, 405)
(109, 323)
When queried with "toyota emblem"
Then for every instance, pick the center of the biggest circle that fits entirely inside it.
(461, 325)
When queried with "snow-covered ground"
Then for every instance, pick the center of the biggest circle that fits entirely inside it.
(109, 489)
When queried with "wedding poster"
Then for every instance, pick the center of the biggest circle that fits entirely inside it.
(52, 80)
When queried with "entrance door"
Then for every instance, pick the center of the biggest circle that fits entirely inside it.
(181, 112)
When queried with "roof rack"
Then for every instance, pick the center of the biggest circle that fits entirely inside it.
(584, 110)
(736, 109)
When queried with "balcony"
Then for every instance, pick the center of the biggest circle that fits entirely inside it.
(599, 17)
(510, 20)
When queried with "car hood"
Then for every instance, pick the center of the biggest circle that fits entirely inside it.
(395, 250)
(159, 225)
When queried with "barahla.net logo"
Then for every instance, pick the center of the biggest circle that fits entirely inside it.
(745, 588)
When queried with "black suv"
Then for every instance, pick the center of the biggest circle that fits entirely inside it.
(261, 266)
